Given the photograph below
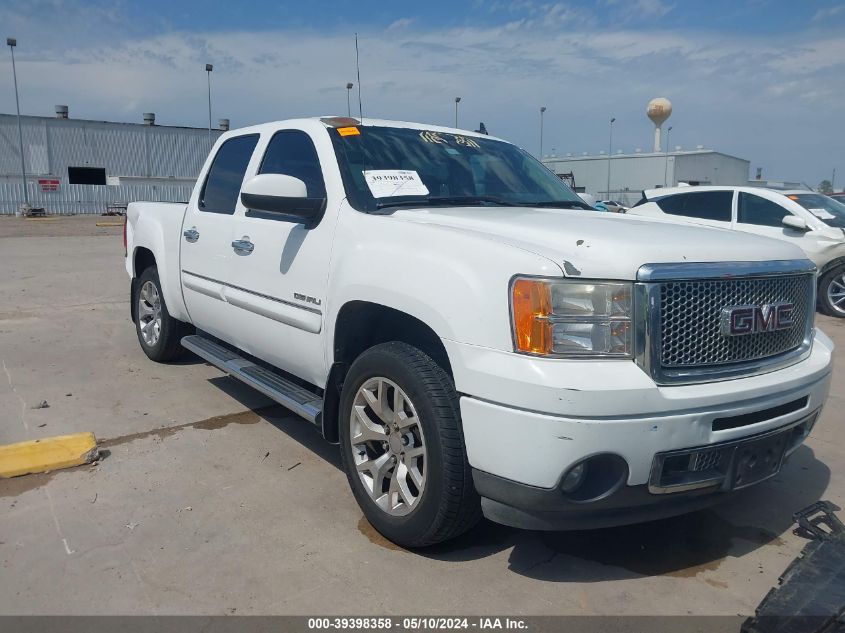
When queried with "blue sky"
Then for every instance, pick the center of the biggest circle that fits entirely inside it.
(761, 79)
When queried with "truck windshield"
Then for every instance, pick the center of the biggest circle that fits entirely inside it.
(386, 167)
(828, 210)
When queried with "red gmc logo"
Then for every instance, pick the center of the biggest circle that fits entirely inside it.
(739, 320)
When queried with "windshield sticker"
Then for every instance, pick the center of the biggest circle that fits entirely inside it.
(388, 183)
(438, 138)
(432, 137)
(466, 141)
(822, 214)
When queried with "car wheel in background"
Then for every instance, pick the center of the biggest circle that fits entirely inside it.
(402, 447)
(832, 292)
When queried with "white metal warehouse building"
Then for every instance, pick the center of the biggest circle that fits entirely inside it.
(81, 166)
(631, 173)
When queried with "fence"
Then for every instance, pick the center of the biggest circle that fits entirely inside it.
(77, 199)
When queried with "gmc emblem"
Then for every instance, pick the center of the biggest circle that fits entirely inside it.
(739, 320)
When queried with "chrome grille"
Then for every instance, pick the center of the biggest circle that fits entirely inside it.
(690, 311)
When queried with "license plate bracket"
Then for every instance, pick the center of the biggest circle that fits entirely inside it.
(757, 460)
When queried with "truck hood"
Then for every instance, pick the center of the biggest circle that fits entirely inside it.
(600, 245)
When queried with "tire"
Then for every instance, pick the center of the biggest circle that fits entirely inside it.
(148, 300)
(831, 289)
(428, 457)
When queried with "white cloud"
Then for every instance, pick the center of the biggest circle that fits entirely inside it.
(827, 13)
(401, 23)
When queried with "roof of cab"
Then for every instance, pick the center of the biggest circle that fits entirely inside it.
(365, 122)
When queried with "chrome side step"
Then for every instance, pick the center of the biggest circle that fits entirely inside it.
(289, 394)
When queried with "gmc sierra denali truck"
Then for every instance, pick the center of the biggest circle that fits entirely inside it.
(473, 336)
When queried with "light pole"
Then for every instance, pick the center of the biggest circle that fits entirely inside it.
(348, 103)
(666, 165)
(457, 101)
(11, 42)
(208, 69)
(542, 111)
(609, 152)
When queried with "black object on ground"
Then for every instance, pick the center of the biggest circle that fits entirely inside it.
(810, 596)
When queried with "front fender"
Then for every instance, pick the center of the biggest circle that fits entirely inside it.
(455, 281)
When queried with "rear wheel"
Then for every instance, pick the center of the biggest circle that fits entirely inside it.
(832, 292)
(402, 447)
(159, 334)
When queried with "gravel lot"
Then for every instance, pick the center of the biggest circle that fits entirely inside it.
(211, 501)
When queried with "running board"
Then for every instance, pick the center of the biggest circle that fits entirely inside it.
(298, 399)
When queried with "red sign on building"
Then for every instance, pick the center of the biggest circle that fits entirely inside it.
(49, 184)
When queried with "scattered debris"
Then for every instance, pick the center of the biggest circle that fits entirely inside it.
(68, 394)
(94, 500)
(294, 466)
(132, 526)
(186, 509)
(41, 426)
(42, 405)
(266, 455)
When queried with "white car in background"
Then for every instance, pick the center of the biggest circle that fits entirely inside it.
(811, 220)
(614, 207)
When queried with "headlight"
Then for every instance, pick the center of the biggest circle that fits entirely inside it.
(572, 318)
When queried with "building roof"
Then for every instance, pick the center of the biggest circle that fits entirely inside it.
(33, 118)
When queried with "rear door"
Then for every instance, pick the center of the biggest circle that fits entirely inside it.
(282, 278)
(207, 235)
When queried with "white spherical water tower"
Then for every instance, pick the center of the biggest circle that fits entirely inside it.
(658, 111)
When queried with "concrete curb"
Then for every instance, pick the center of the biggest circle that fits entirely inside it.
(52, 453)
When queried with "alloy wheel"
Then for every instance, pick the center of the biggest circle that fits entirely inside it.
(149, 313)
(388, 446)
(836, 294)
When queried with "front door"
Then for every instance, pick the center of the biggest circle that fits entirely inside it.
(283, 271)
(207, 235)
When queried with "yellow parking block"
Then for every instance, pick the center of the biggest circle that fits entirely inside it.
(52, 453)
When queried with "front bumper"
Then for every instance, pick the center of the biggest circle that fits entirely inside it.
(559, 414)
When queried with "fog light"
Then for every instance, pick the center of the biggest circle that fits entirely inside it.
(574, 477)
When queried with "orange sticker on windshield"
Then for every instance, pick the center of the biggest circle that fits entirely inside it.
(348, 131)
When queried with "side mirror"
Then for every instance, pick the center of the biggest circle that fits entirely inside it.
(283, 198)
(794, 222)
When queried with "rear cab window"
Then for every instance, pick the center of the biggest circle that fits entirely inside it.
(705, 205)
(223, 183)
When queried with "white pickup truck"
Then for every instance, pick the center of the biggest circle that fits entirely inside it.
(477, 341)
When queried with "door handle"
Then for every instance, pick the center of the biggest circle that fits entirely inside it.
(191, 234)
(243, 246)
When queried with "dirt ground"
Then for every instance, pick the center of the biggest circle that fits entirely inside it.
(209, 500)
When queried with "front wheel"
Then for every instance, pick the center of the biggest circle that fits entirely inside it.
(832, 292)
(402, 447)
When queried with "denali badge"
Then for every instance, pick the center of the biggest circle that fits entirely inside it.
(738, 320)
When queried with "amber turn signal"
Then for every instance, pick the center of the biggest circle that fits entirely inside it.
(532, 306)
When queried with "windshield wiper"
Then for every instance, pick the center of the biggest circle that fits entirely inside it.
(559, 204)
(445, 201)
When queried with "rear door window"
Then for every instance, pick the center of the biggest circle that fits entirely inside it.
(760, 211)
(706, 205)
(223, 184)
